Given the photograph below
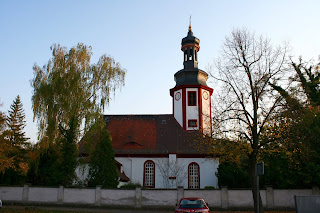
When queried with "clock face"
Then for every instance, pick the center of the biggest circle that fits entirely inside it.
(205, 95)
(177, 96)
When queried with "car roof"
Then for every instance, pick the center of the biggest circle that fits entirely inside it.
(191, 198)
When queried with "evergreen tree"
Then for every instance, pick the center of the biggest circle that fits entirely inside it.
(68, 150)
(103, 170)
(14, 137)
(44, 167)
(16, 123)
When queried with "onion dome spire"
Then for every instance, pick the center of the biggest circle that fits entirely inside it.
(190, 47)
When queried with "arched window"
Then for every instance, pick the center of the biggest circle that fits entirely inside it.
(149, 174)
(193, 176)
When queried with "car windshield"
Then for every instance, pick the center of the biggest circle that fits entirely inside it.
(191, 204)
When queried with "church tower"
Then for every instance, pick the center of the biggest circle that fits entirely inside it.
(191, 95)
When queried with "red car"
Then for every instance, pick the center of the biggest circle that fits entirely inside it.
(193, 204)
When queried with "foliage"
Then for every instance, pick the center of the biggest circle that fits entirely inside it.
(14, 145)
(298, 132)
(309, 78)
(6, 161)
(296, 154)
(304, 91)
(45, 167)
(209, 187)
(53, 165)
(280, 167)
(69, 94)
(228, 151)
(233, 162)
(102, 165)
(69, 87)
(68, 154)
(131, 186)
(233, 175)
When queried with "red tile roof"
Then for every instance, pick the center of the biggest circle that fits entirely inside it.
(142, 135)
(132, 132)
(149, 134)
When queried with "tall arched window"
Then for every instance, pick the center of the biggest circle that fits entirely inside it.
(193, 176)
(149, 174)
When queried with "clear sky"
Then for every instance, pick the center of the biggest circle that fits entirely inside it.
(144, 36)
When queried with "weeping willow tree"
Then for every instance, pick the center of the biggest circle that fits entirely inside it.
(69, 94)
(69, 91)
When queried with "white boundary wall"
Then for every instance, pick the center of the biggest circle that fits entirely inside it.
(220, 198)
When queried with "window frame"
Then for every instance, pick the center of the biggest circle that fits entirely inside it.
(145, 174)
(191, 185)
(192, 120)
(195, 98)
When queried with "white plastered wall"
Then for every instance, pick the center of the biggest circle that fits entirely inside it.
(206, 117)
(192, 112)
(134, 166)
(178, 107)
(208, 169)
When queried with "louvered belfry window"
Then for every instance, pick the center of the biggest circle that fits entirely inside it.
(192, 98)
(149, 174)
(194, 176)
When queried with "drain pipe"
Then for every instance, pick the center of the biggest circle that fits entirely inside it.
(131, 170)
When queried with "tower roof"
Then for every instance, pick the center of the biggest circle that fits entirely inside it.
(190, 39)
(190, 74)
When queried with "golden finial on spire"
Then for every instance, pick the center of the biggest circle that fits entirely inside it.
(190, 28)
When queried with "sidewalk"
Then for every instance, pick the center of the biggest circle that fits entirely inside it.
(84, 209)
(105, 209)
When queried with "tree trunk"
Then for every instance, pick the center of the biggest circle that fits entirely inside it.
(253, 182)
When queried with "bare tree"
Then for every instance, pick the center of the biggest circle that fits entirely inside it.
(246, 102)
(171, 168)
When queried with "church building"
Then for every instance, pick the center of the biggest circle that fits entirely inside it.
(159, 151)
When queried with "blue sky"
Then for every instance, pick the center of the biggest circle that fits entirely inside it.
(144, 36)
